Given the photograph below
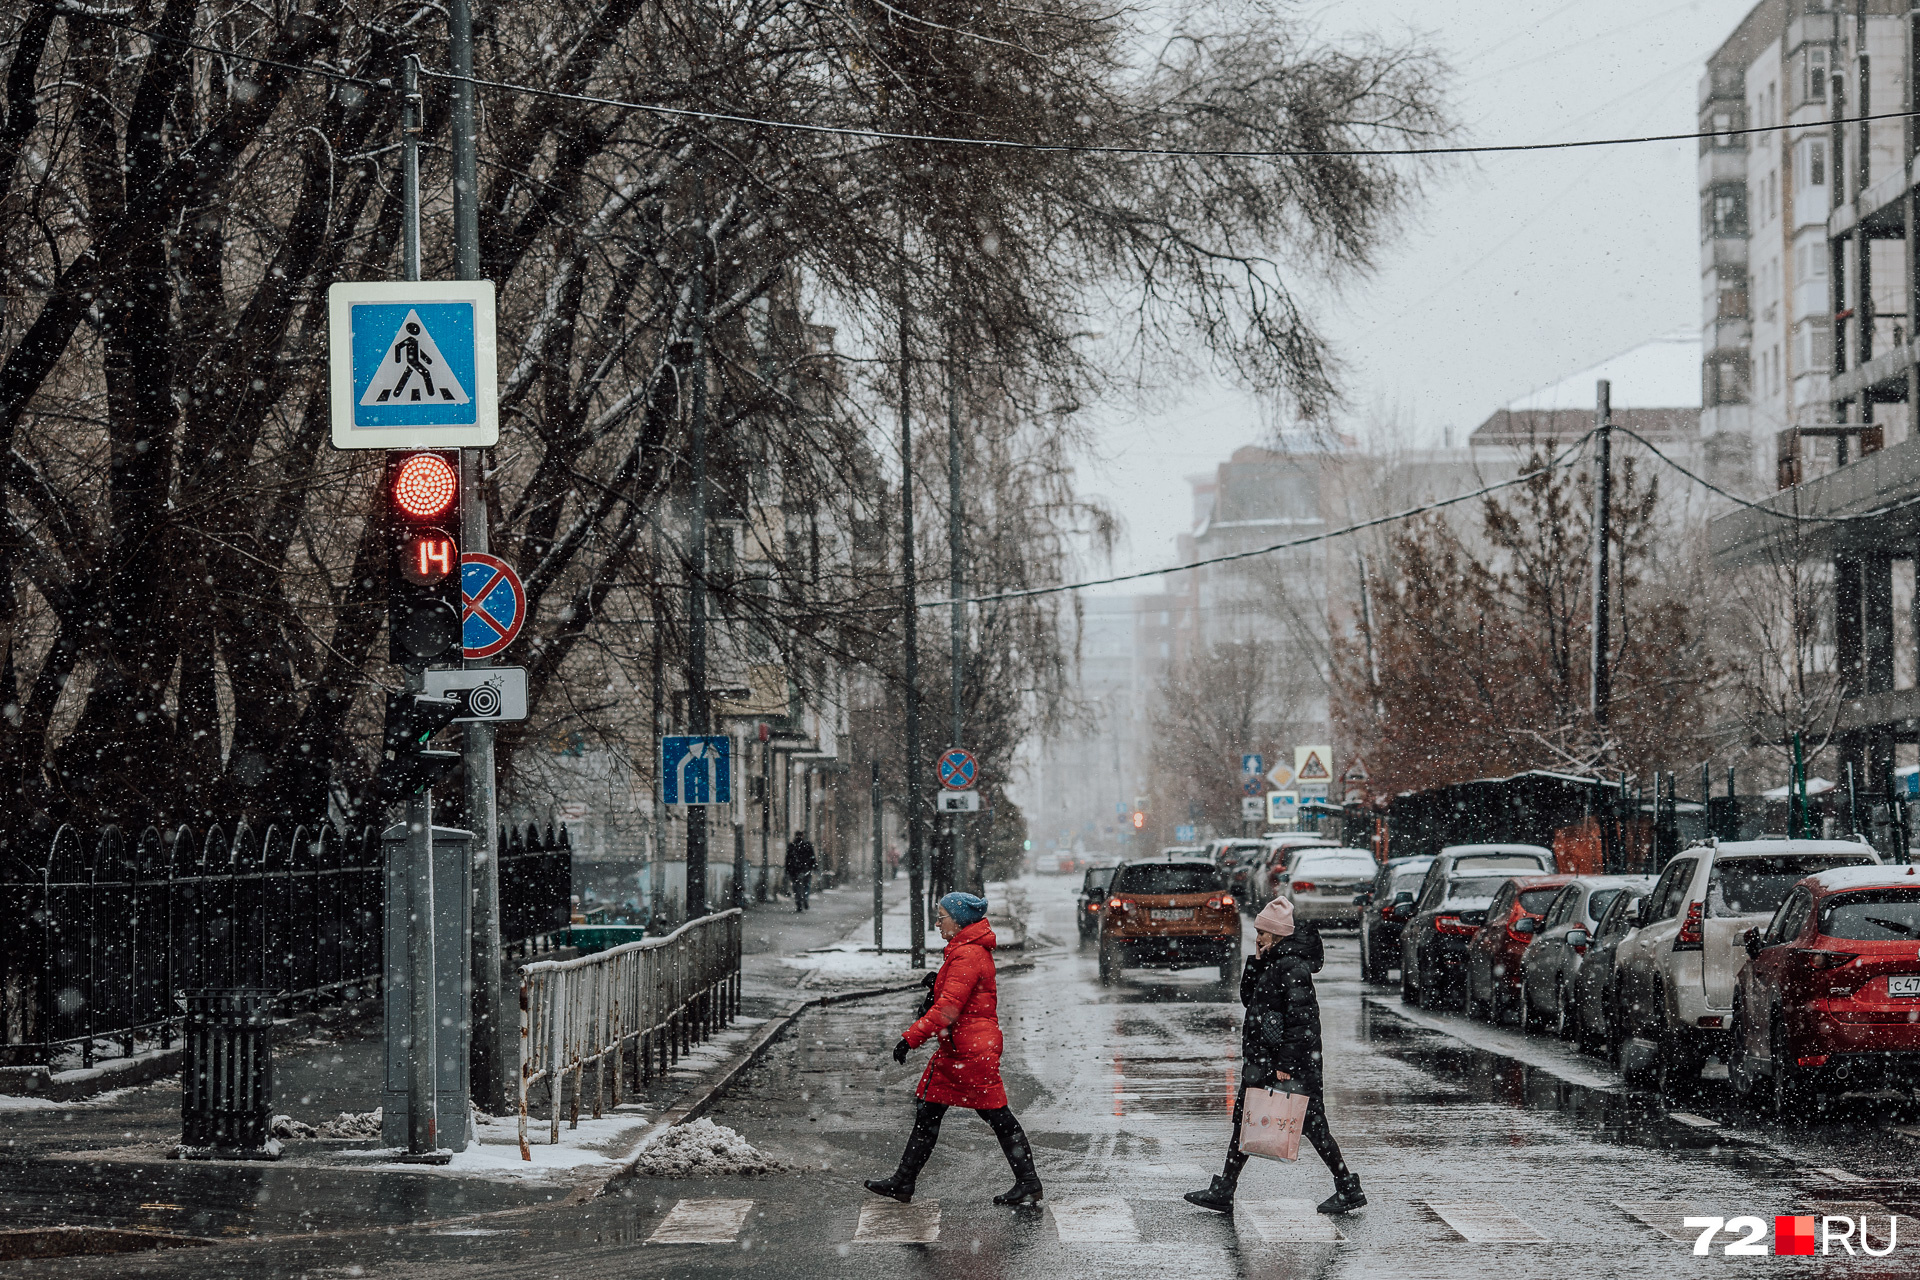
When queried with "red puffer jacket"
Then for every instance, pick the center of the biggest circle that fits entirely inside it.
(965, 1070)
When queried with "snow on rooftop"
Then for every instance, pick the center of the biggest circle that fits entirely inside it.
(1662, 374)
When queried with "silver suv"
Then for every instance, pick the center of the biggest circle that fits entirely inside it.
(1674, 976)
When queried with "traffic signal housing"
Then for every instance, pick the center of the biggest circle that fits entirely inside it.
(421, 495)
(407, 766)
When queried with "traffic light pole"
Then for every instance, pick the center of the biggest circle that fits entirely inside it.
(422, 1042)
(493, 1054)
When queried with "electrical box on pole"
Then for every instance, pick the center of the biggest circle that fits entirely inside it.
(423, 558)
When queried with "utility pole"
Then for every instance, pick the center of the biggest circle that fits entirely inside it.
(916, 850)
(699, 710)
(879, 929)
(956, 590)
(493, 1057)
(1602, 680)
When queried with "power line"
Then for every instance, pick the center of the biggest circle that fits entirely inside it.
(1762, 507)
(996, 144)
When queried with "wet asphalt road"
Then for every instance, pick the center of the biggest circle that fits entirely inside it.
(1483, 1152)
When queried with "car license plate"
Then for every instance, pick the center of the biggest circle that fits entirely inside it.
(1183, 913)
(1909, 985)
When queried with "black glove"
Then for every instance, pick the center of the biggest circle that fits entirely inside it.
(901, 1050)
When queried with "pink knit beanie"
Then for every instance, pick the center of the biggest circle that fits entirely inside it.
(1275, 918)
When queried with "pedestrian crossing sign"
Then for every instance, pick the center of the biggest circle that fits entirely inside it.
(412, 364)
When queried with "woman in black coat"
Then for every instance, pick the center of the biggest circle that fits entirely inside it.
(1280, 1041)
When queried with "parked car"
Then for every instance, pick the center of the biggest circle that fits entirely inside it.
(1092, 900)
(1494, 951)
(1275, 866)
(1829, 996)
(1550, 964)
(1593, 1000)
(1675, 975)
(1235, 859)
(1169, 915)
(1397, 880)
(1454, 896)
(1322, 884)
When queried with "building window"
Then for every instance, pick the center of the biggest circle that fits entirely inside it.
(1816, 73)
(1723, 130)
(1810, 163)
(1724, 212)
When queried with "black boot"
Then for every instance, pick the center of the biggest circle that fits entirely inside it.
(893, 1188)
(1218, 1197)
(1347, 1196)
(1013, 1144)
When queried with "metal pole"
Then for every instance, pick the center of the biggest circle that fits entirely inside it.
(956, 589)
(699, 711)
(657, 890)
(766, 820)
(422, 1052)
(916, 849)
(879, 928)
(1602, 679)
(493, 1055)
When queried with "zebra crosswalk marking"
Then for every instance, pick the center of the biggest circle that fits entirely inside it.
(1287, 1221)
(890, 1222)
(1094, 1220)
(702, 1222)
(1483, 1221)
(1668, 1217)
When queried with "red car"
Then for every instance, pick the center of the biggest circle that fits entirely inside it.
(1493, 954)
(1829, 998)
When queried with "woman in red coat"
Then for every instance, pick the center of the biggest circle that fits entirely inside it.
(965, 1069)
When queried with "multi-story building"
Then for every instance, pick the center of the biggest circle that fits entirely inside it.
(1773, 284)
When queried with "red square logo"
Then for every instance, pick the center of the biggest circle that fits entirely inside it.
(1793, 1234)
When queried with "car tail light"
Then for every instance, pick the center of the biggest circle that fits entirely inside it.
(1692, 935)
(1386, 910)
(1812, 1060)
(1093, 906)
(1303, 886)
(1222, 902)
(1820, 961)
(1710, 1020)
(1454, 925)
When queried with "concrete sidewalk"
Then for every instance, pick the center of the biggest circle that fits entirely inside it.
(103, 1162)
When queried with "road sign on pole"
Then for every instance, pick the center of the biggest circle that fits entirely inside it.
(486, 693)
(1280, 776)
(1283, 808)
(1252, 807)
(493, 605)
(1313, 766)
(959, 801)
(1250, 784)
(1252, 763)
(1184, 833)
(696, 769)
(411, 364)
(959, 771)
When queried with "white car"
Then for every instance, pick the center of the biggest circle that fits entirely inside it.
(1323, 883)
(1675, 974)
(1270, 871)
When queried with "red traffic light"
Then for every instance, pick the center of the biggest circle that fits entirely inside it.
(1139, 820)
(425, 486)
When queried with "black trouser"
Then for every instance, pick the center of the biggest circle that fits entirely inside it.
(926, 1132)
(801, 883)
(1314, 1127)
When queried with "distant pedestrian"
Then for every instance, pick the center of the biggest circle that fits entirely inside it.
(1280, 1041)
(965, 1068)
(800, 865)
(893, 862)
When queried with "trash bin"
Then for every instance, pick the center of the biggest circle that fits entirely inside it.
(226, 1083)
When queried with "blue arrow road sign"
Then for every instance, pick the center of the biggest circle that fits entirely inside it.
(1183, 833)
(696, 769)
(1253, 764)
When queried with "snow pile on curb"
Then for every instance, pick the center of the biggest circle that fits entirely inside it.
(352, 1124)
(702, 1149)
(286, 1127)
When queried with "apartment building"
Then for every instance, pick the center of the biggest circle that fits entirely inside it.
(1773, 284)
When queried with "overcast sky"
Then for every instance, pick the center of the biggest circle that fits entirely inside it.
(1514, 271)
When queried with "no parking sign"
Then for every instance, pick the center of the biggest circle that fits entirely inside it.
(493, 604)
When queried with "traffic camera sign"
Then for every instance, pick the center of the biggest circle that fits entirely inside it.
(484, 693)
(958, 769)
(959, 802)
(411, 364)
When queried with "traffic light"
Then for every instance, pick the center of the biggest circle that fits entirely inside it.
(422, 496)
(1139, 820)
(407, 767)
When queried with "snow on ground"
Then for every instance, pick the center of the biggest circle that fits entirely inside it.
(702, 1149)
(14, 1102)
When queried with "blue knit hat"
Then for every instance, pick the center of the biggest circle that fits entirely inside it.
(964, 908)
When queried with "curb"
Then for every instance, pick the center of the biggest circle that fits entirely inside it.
(694, 1107)
(83, 1083)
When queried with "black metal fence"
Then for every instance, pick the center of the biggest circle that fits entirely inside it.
(106, 932)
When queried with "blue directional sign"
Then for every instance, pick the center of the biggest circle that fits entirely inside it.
(412, 364)
(696, 769)
(1253, 763)
(1183, 833)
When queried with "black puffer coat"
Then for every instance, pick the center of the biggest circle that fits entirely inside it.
(1281, 1030)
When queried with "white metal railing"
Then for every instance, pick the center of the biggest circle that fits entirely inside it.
(627, 1007)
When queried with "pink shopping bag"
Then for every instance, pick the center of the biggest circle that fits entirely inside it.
(1270, 1123)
